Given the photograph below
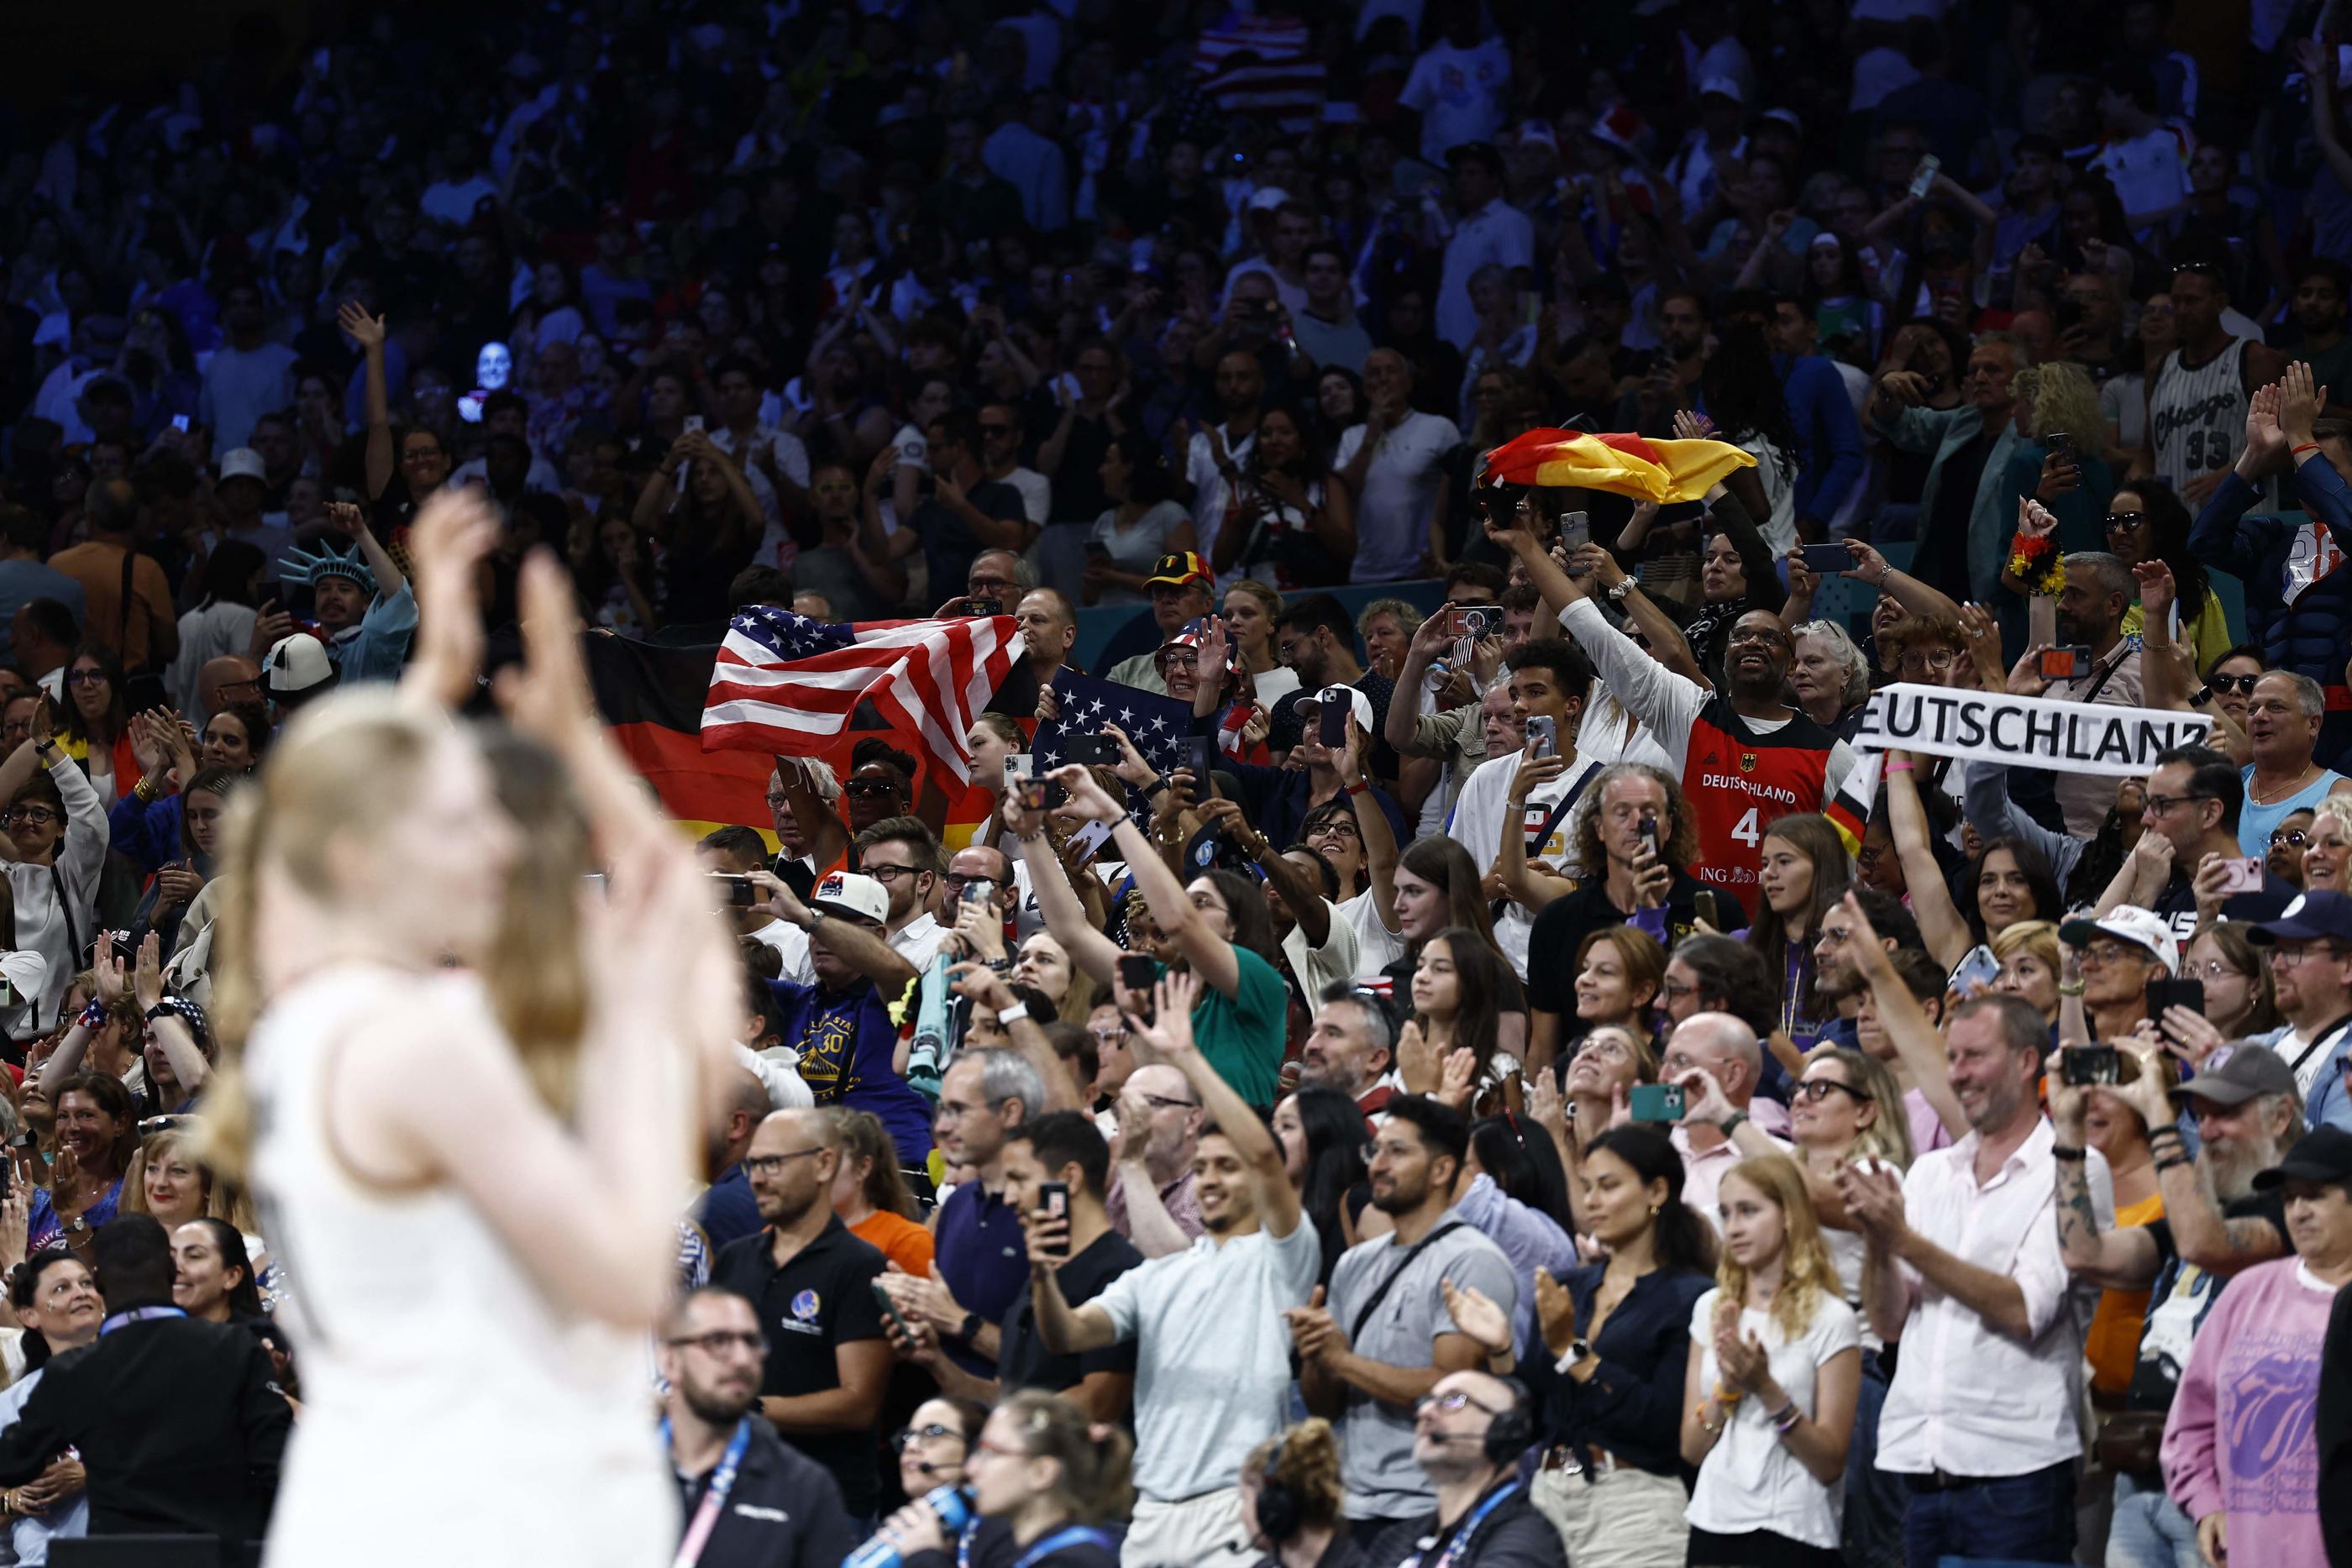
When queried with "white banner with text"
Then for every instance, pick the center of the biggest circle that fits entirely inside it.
(2023, 732)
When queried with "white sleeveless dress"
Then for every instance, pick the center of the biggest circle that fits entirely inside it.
(451, 1414)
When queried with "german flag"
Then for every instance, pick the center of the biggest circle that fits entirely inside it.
(1660, 471)
(651, 698)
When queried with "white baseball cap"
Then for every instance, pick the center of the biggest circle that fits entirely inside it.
(847, 893)
(1361, 704)
(25, 971)
(297, 666)
(2142, 927)
(243, 462)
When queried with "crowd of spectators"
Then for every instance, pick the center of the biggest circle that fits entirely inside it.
(1484, 1108)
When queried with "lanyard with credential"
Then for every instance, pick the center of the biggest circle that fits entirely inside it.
(137, 1315)
(714, 1496)
(1454, 1548)
(1069, 1535)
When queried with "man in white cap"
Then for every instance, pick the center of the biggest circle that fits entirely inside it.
(242, 490)
(1547, 680)
(2120, 952)
(840, 1025)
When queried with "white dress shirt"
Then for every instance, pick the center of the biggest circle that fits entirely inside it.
(1966, 1400)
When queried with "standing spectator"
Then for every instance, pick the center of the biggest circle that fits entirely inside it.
(749, 1498)
(872, 1198)
(1152, 1200)
(1064, 1147)
(1349, 1048)
(1488, 233)
(2309, 947)
(1213, 1353)
(142, 627)
(1610, 1475)
(810, 1284)
(1968, 446)
(1392, 463)
(2197, 398)
(1782, 1354)
(2240, 1452)
(23, 540)
(247, 376)
(976, 1269)
(1460, 85)
(1963, 1257)
(1386, 1339)
(179, 1423)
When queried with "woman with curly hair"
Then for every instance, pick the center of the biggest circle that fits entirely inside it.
(2058, 461)
(1291, 1496)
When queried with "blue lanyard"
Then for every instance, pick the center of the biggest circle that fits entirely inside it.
(137, 1315)
(714, 1496)
(1069, 1535)
(1454, 1548)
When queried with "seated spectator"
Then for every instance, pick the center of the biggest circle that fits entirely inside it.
(56, 1301)
(1041, 1468)
(1290, 1497)
(872, 1197)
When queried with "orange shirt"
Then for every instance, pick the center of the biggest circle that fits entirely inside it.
(902, 1242)
(2113, 1344)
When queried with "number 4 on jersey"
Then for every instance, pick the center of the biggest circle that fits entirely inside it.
(1747, 832)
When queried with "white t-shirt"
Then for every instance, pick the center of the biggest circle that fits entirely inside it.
(1399, 483)
(1377, 947)
(1210, 491)
(1458, 93)
(1750, 1479)
(1316, 967)
(1477, 827)
(2149, 171)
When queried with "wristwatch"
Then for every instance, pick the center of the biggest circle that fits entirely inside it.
(2204, 695)
(1579, 1349)
(968, 1330)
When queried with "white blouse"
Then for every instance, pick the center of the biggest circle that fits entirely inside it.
(1750, 1481)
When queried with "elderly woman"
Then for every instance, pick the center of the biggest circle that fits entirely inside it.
(1829, 676)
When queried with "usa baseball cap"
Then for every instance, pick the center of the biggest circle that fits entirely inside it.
(847, 893)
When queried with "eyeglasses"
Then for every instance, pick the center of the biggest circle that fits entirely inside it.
(1448, 1404)
(1833, 938)
(2116, 952)
(906, 1437)
(2293, 838)
(776, 802)
(1942, 659)
(1818, 1090)
(2286, 954)
(958, 881)
(1162, 1103)
(2243, 685)
(870, 789)
(31, 816)
(887, 874)
(2124, 522)
(1677, 990)
(86, 678)
(1107, 1033)
(718, 1342)
(1765, 634)
(2160, 804)
(770, 1165)
(2215, 969)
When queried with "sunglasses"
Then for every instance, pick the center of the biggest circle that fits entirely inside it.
(2124, 522)
(2243, 684)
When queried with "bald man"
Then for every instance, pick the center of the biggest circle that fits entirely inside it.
(1151, 1200)
(231, 678)
(1717, 1047)
(1049, 626)
(727, 1211)
(812, 1283)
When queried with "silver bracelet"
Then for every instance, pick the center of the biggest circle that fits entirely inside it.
(1617, 594)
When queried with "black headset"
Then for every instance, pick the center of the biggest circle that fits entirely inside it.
(1511, 1433)
(1279, 1512)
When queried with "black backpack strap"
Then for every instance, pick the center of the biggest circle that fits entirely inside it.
(1356, 1330)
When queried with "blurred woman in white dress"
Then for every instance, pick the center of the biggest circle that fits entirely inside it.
(467, 1093)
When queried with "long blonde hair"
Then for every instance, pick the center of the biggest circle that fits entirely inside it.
(349, 763)
(1807, 1277)
(1887, 1136)
(2061, 396)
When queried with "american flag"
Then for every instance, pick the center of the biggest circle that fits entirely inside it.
(792, 686)
(1157, 725)
(1285, 84)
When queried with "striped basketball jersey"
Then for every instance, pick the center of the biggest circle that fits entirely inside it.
(1737, 781)
(2197, 419)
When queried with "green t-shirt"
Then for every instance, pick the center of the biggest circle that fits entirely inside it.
(1242, 1035)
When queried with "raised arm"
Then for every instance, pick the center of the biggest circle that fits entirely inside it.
(1170, 1033)
(1916, 1040)
(1667, 644)
(368, 331)
(1210, 954)
(1065, 918)
(2114, 1258)
(855, 946)
(179, 1046)
(1941, 925)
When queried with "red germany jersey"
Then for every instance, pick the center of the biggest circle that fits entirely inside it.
(1737, 781)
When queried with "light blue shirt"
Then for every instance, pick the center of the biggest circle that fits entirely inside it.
(1530, 1238)
(28, 1539)
(376, 648)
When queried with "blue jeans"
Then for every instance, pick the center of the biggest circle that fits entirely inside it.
(2006, 1519)
(2150, 1530)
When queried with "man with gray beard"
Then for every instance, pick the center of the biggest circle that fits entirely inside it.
(2214, 1224)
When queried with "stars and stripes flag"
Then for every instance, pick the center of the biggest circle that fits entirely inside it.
(1265, 68)
(1157, 725)
(792, 686)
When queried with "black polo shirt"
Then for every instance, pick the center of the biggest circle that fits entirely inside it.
(1022, 1359)
(821, 1298)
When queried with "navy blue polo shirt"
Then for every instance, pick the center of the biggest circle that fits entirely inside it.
(728, 1212)
(847, 1043)
(983, 1258)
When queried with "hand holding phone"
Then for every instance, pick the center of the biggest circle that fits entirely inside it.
(1655, 1102)
(1826, 560)
(1543, 735)
(2064, 664)
(2241, 873)
(1053, 1198)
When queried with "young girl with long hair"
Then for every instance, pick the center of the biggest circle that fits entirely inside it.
(1457, 987)
(1775, 1366)
(1805, 873)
